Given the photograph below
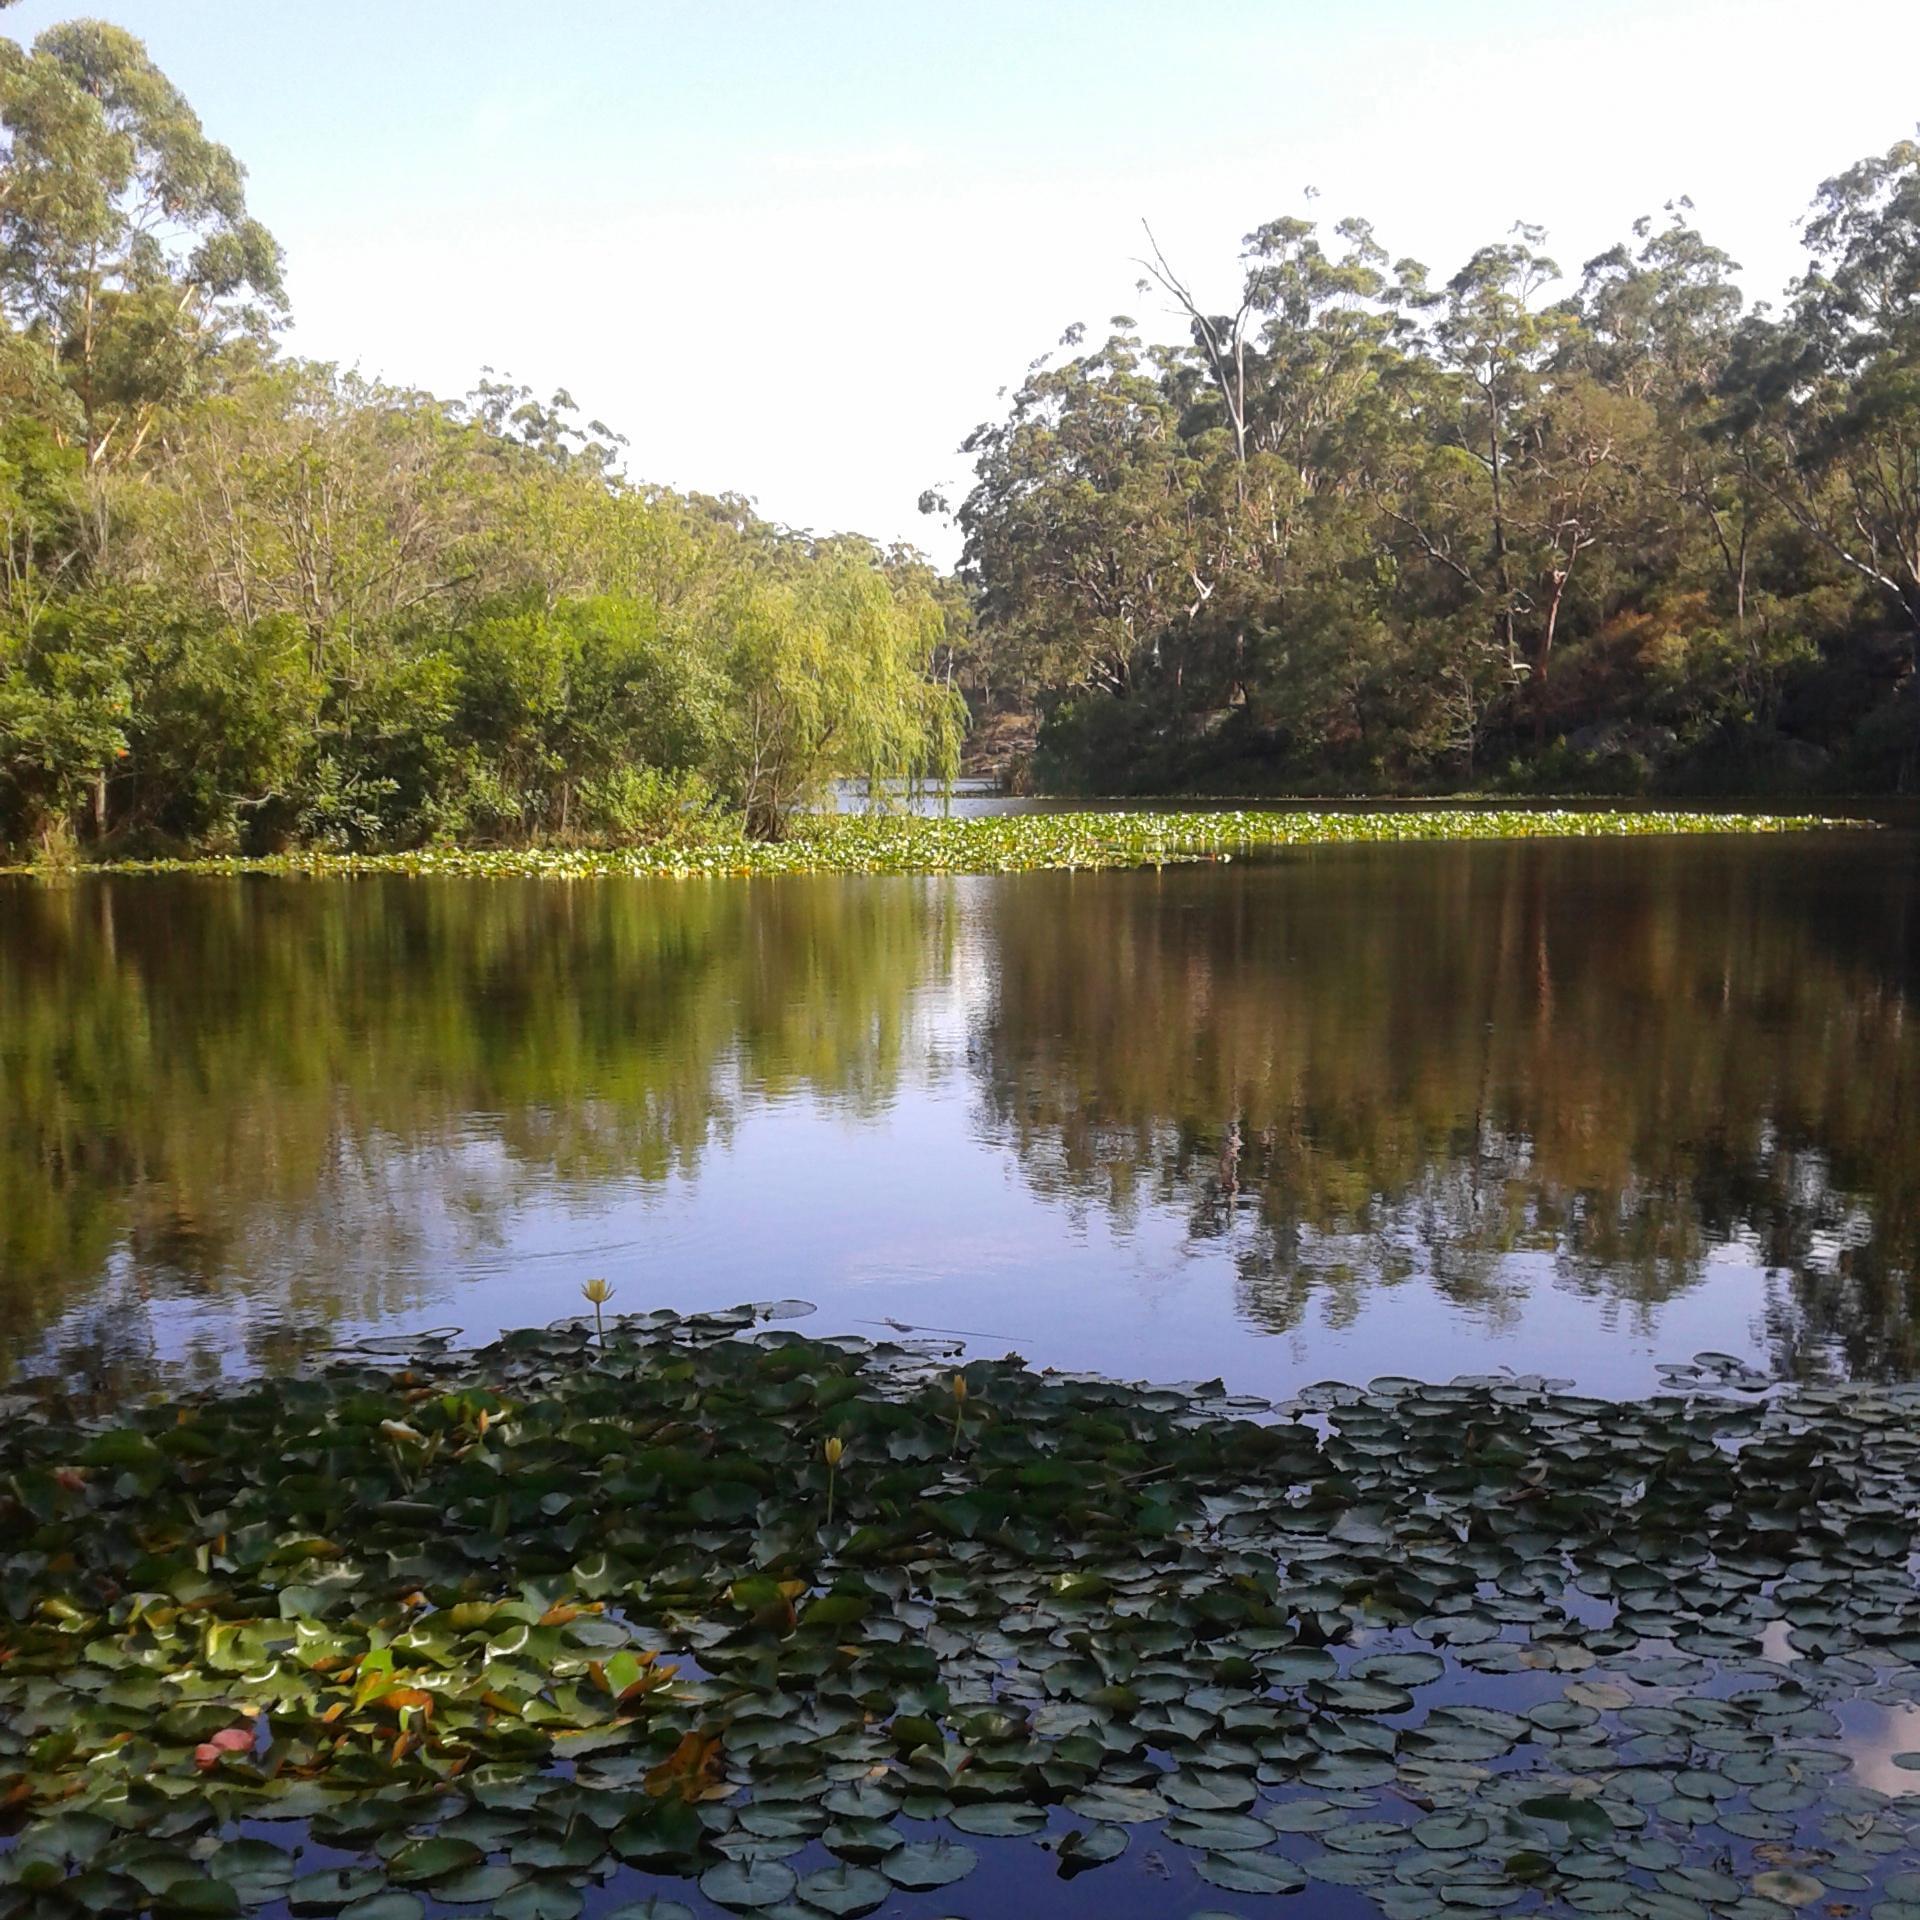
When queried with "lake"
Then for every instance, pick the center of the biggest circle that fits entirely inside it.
(1572, 1108)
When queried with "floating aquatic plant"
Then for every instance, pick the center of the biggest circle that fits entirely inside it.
(1014, 843)
(1462, 1647)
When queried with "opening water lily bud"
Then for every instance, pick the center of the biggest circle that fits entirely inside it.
(834, 1449)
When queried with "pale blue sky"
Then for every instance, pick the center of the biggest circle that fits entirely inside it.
(796, 249)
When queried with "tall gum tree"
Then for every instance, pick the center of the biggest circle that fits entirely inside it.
(1491, 332)
(126, 247)
(1848, 414)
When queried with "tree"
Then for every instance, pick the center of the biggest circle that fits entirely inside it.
(246, 599)
(64, 705)
(1846, 379)
(125, 242)
(827, 675)
(1079, 529)
(1490, 331)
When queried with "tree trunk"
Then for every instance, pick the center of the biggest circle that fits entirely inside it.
(1543, 661)
(1500, 528)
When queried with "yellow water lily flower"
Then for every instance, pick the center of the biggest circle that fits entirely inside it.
(599, 1292)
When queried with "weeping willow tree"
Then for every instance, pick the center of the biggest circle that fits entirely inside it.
(831, 678)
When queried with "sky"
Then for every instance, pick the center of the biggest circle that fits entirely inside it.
(797, 250)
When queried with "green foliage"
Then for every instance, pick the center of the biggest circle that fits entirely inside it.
(126, 247)
(830, 672)
(1365, 532)
(1369, 533)
(576, 718)
(252, 602)
(342, 615)
(64, 705)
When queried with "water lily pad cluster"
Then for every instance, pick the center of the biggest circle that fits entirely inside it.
(492, 1631)
(1012, 843)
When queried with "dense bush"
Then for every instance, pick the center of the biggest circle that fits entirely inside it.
(248, 602)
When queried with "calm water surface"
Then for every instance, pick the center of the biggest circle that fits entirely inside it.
(1570, 1108)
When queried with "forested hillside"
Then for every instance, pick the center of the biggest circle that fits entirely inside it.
(250, 601)
(1374, 530)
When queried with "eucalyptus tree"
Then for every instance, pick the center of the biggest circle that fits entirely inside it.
(1081, 525)
(1354, 525)
(341, 503)
(126, 249)
(1850, 417)
(128, 263)
(1492, 330)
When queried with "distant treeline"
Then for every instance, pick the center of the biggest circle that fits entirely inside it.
(1367, 531)
(247, 601)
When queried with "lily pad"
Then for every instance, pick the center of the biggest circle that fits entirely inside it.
(929, 1863)
(1789, 1887)
(1251, 1872)
(845, 1890)
(432, 1859)
(746, 1884)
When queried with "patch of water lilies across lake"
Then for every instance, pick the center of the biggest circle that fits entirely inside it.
(1011, 843)
(689, 1614)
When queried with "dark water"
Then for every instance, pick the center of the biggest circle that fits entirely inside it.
(1571, 1108)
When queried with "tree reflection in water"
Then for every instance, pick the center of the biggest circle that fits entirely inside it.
(1485, 1071)
(1357, 1071)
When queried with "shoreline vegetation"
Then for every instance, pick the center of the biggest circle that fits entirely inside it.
(643, 1600)
(993, 843)
(1367, 531)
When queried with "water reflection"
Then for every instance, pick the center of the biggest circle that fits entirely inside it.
(1564, 1105)
(1486, 1070)
(311, 1103)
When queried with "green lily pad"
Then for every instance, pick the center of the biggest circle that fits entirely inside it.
(1399, 1669)
(926, 1864)
(1209, 1792)
(845, 1890)
(386, 1906)
(1091, 1847)
(998, 1819)
(746, 1884)
(1219, 1832)
(1123, 1806)
(539, 1900)
(1304, 1816)
(472, 1886)
(432, 1859)
(1250, 1872)
(199, 1900)
(1447, 1832)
